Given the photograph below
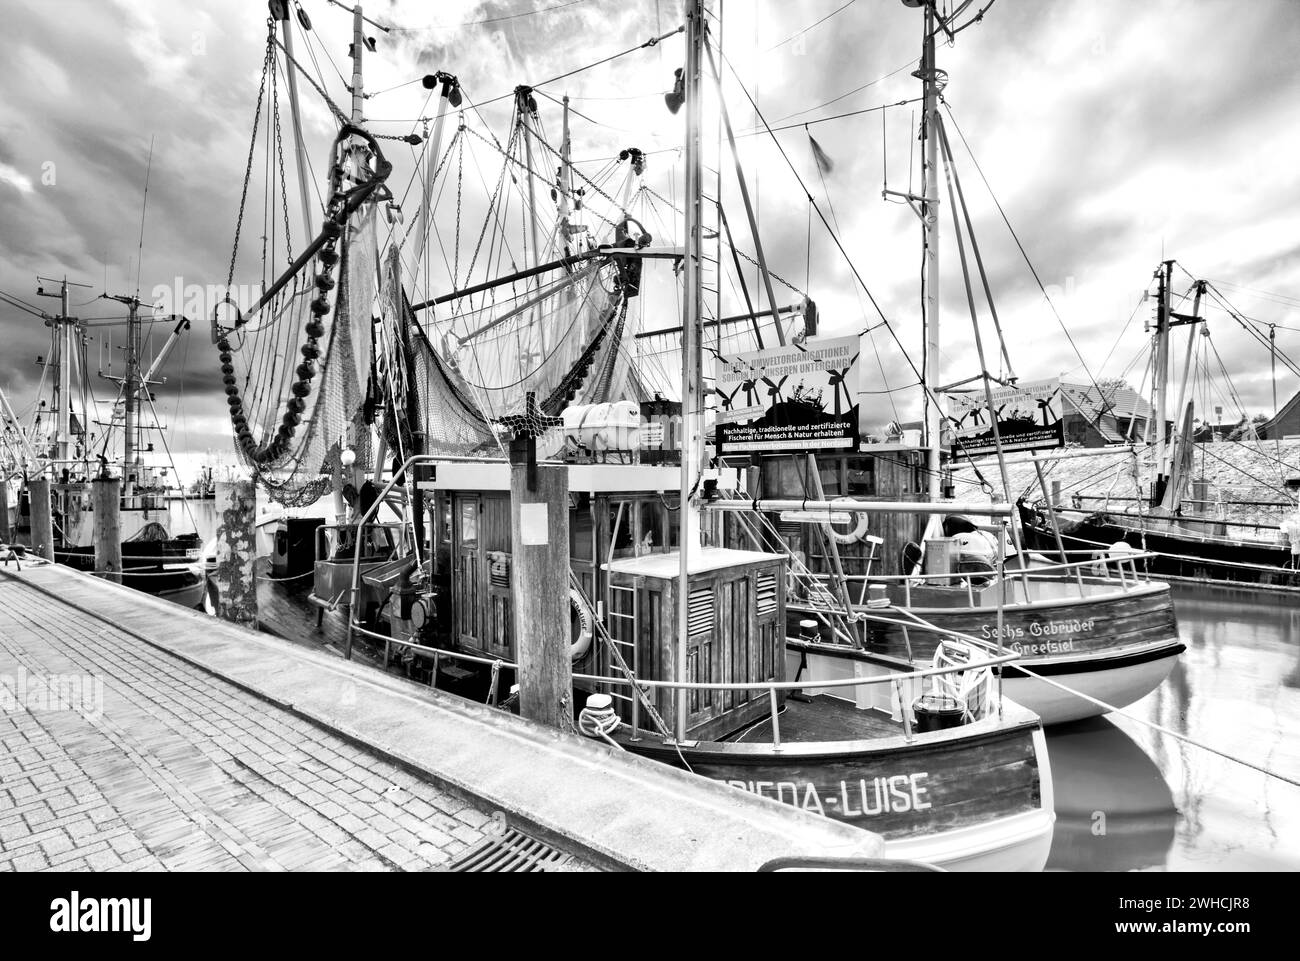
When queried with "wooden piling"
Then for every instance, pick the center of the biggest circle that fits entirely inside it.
(1056, 493)
(42, 518)
(106, 506)
(236, 505)
(5, 533)
(539, 534)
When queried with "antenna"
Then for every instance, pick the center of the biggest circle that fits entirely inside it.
(139, 260)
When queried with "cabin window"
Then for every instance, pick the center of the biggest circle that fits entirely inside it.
(650, 534)
(860, 477)
(622, 527)
(581, 546)
(830, 471)
(469, 524)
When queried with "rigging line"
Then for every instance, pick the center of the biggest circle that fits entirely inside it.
(874, 347)
(1123, 330)
(1241, 319)
(970, 233)
(318, 87)
(834, 236)
(870, 83)
(1255, 333)
(800, 33)
(477, 23)
(1021, 248)
(653, 41)
(1284, 299)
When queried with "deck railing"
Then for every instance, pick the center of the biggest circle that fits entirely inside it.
(771, 687)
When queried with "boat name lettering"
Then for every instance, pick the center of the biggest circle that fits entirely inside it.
(896, 794)
(1012, 632)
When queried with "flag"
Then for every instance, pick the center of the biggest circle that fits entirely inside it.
(824, 162)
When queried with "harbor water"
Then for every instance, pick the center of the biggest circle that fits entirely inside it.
(1130, 798)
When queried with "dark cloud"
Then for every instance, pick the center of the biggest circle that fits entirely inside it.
(1113, 134)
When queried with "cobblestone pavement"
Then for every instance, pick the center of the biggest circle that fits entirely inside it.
(155, 764)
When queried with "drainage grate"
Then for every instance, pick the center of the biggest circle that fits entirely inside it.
(507, 849)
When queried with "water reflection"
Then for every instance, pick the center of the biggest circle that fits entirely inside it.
(1114, 811)
(1180, 807)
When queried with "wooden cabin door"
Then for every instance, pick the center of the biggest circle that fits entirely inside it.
(703, 661)
(467, 569)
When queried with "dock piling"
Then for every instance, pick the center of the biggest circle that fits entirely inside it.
(539, 523)
(42, 518)
(236, 504)
(106, 506)
(5, 533)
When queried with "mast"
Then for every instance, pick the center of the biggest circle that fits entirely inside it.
(132, 389)
(65, 378)
(280, 10)
(527, 106)
(62, 342)
(692, 359)
(1160, 381)
(930, 229)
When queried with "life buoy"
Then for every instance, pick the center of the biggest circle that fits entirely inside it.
(852, 537)
(579, 647)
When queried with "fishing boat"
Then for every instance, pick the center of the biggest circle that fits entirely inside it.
(1094, 631)
(441, 406)
(60, 446)
(1168, 519)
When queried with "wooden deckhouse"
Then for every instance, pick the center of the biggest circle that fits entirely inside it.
(623, 537)
(886, 472)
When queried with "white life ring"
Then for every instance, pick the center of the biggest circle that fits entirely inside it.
(852, 537)
(579, 647)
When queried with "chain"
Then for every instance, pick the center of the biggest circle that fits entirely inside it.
(671, 206)
(460, 193)
(771, 273)
(279, 148)
(252, 146)
(491, 204)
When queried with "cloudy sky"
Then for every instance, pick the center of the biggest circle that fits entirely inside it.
(1112, 133)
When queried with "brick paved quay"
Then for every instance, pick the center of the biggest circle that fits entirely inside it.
(216, 747)
(177, 769)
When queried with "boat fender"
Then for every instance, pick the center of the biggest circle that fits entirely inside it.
(580, 646)
(852, 537)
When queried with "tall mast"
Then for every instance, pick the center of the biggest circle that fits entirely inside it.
(930, 227)
(280, 10)
(1160, 381)
(527, 106)
(65, 377)
(692, 359)
(132, 390)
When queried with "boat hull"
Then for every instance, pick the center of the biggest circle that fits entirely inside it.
(1116, 645)
(1176, 557)
(1118, 681)
(976, 797)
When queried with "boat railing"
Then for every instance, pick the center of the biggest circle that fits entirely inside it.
(989, 662)
(1099, 564)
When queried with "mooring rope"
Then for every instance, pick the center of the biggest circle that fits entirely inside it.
(1158, 727)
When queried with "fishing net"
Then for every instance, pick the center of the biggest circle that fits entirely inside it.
(267, 350)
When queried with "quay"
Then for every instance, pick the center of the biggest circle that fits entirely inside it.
(193, 744)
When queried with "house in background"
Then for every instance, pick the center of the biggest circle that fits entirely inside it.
(1286, 423)
(1113, 413)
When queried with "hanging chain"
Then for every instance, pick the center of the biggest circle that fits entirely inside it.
(252, 146)
(279, 149)
(460, 194)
